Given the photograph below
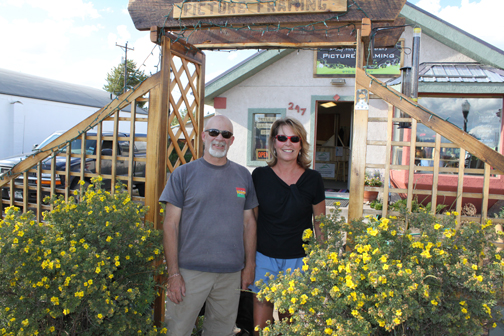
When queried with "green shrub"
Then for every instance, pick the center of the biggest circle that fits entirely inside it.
(439, 281)
(86, 270)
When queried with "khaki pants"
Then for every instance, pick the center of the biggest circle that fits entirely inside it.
(220, 291)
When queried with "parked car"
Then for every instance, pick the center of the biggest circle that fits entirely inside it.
(75, 163)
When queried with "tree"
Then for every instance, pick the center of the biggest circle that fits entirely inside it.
(115, 78)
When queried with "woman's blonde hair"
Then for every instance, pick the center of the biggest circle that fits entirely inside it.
(303, 159)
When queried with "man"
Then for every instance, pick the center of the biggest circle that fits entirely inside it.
(209, 236)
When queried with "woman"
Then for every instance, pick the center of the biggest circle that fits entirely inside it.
(290, 195)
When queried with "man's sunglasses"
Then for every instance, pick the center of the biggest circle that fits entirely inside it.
(215, 132)
(283, 138)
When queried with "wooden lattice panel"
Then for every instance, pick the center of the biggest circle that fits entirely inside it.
(184, 111)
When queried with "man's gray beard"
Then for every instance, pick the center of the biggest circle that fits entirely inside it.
(217, 153)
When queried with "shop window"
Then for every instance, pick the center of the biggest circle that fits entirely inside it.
(260, 122)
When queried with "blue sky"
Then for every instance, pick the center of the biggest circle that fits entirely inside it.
(75, 40)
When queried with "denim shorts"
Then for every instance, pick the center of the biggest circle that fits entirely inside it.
(273, 266)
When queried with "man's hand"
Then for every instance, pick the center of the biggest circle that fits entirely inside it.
(176, 289)
(247, 276)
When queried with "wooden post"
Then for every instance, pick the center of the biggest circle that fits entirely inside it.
(201, 112)
(359, 142)
(155, 172)
(388, 153)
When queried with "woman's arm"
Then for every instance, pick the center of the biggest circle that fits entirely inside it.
(318, 209)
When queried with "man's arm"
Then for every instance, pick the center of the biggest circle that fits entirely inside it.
(176, 285)
(318, 209)
(249, 241)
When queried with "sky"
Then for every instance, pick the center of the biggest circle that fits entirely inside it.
(75, 40)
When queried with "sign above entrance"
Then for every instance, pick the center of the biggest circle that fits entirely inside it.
(201, 9)
(341, 62)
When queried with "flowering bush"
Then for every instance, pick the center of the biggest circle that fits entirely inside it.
(86, 270)
(437, 281)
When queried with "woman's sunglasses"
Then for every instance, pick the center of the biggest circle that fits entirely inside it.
(283, 138)
(215, 132)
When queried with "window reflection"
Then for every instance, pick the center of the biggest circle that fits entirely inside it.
(480, 117)
(483, 121)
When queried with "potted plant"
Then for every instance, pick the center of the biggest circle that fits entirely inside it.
(372, 180)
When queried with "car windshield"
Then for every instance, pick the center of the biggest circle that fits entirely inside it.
(48, 140)
(77, 148)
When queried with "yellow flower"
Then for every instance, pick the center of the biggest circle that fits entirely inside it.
(434, 302)
(100, 316)
(328, 331)
(307, 234)
(372, 232)
(397, 321)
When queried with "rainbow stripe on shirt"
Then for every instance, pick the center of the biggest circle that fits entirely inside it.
(241, 192)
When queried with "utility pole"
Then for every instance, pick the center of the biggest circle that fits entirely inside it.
(125, 63)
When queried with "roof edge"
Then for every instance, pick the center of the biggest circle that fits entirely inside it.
(242, 71)
(453, 36)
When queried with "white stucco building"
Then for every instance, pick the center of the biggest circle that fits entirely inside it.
(32, 108)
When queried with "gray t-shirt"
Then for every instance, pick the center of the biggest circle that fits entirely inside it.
(212, 199)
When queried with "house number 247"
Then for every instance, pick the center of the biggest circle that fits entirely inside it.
(297, 108)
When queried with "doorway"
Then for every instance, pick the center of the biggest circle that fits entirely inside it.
(333, 134)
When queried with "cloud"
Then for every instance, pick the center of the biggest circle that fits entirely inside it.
(146, 54)
(482, 19)
(232, 56)
(66, 9)
(86, 31)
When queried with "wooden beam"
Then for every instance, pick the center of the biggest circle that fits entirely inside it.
(155, 171)
(159, 13)
(431, 120)
(366, 27)
(206, 9)
(359, 145)
(332, 34)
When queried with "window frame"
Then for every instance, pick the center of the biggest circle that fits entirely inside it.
(250, 135)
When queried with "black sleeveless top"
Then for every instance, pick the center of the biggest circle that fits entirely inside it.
(285, 211)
